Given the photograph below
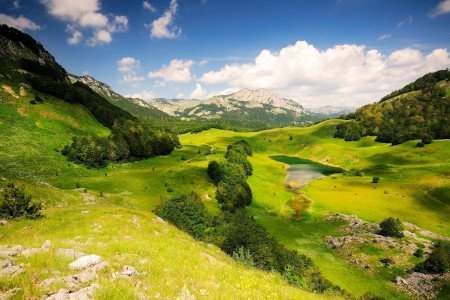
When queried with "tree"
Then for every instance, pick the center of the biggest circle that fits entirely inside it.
(215, 171)
(299, 204)
(391, 227)
(376, 179)
(14, 203)
(438, 261)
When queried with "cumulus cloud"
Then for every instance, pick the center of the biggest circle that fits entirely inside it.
(227, 91)
(76, 36)
(348, 75)
(144, 95)
(441, 9)
(203, 62)
(177, 71)
(129, 67)
(20, 23)
(199, 92)
(163, 26)
(84, 15)
(149, 6)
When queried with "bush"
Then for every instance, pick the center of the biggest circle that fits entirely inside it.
(418, 253)
(427, 139)
(359, 173)
(187, 213)
(391, 227)
(438, 261)
(376, 179)
(244, 257)
(32, 102)
(15, 203)
(420, 144)
(233, 196)
(215, 171)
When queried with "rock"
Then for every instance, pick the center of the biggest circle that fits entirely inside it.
(143, 261)
(73, 282)
(160, 220)
(3, 222)
(46, 245)
(12, 270)
(129, 271)
(85, 212)
(70, 253)
(86, 293)
(126, 272)
(186, 295)
(10, 293)
(419, 285)
(85, 262)
(211, 259)
(9, 253)
(136, 222)
(5, 264)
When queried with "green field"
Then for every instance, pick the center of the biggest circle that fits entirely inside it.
(414, 187)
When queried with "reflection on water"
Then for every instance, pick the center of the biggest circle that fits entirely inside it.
(299, 175)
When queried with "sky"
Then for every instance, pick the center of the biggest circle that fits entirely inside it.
(335, 52)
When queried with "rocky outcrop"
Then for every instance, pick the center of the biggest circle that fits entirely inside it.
(422, 286)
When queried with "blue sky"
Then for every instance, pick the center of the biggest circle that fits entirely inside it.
(340, 52)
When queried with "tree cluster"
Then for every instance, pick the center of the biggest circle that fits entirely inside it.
(14, 203)
(129, 140)
(391, 227)
(421, 114)
(230, 177)
(438, 261)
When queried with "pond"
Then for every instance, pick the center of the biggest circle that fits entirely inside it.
(302, 171)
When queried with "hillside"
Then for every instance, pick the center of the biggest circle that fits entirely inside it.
(419, 110)
(107, 210)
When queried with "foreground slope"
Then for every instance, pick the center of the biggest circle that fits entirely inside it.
(103, 219)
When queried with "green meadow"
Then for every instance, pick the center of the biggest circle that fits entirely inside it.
(414, 187)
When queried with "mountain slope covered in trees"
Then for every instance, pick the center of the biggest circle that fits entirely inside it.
(419, 110)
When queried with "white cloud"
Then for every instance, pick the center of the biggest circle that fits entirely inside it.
(180, 96)
(442, 8)
(16, 4)
(384, 37)
(162, 27)
(20, 23)
(76, 37)
(100, 37)
(83, 15)
(149, 6)
(177, 71)
(348, 75)
(408, 20)
(144, 95)
(199, 92)
(227, 91)
(129, 67)
(203, 62)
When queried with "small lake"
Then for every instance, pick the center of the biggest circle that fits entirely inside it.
(302, 171)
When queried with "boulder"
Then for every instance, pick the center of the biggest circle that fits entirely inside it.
(12, 270)
(127, 271)
(86, 293)
(70, 253)
(85, 262)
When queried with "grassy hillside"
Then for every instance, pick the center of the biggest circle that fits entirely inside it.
(116, 224)
(414, 187)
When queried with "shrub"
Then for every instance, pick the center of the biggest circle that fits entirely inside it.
(420, 144)
(391, 227)
(186, 212)
(376, 179)
(32, 102)
(359, 173)
(438, 261)
(427, 139)
(244, 257)
(38, 99)
(418, 253)
(386, 261)
(233, 196)
(15, 203)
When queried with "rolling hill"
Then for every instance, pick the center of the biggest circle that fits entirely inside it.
(108, 211)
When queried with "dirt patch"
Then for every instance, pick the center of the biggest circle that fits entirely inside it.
(10, 91)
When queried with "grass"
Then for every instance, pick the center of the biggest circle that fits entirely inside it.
(414, 187)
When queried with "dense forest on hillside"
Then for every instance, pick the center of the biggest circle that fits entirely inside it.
(417, 114)
(129, 140)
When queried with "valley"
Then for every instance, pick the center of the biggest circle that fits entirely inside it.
(313, 193)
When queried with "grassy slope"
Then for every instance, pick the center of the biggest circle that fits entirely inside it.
(409, 174)
(29, 135)
(416, 179)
